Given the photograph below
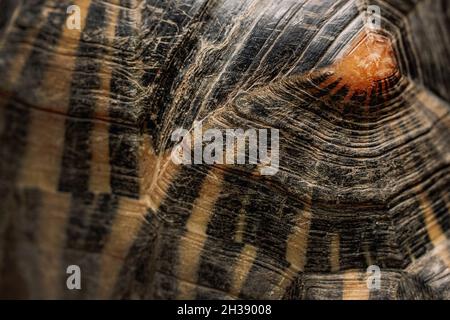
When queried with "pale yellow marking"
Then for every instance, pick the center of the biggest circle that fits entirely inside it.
(434, 230)
(242, 268)
(298, 241)
(240, 228)
(334, 253)
(42, 157)
(99, 178)
(53, 215)
(156, 174)
(54, 92)
(355, 286)
(192, 243)
(126, 225)
(46, 130)
(399, 133)
(297, 245)
(10, 26)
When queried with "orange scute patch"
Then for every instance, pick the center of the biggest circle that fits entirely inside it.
(369, 59)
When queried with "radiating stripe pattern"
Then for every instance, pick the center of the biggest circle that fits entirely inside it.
(86, 177)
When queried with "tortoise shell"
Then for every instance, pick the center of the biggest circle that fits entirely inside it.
(87, 179)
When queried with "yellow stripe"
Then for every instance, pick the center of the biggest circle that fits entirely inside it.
(157, 173)
(192, 243)
(355, 286)
(126, 225)
(99, 180)
(434, 230)
(298, 241)
(297, 245)
(240, 228)
(242, 268)
(42, 160)
(41, 164)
